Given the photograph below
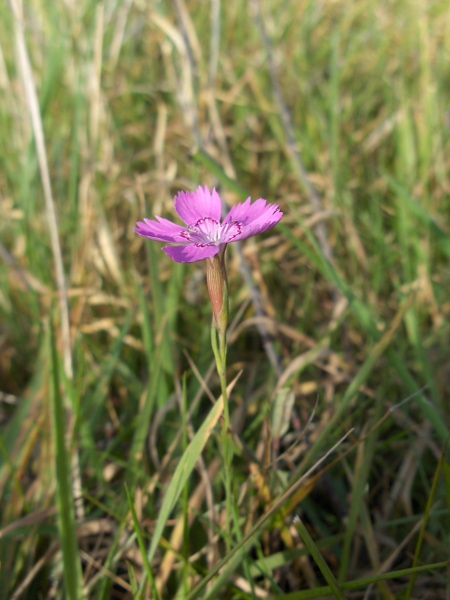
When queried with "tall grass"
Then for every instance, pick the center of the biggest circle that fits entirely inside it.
(111, 476)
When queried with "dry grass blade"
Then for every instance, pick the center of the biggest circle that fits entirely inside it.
(38, 131)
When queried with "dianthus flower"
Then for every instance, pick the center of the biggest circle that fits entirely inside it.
(205, 236)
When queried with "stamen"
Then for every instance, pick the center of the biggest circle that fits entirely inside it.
(208, 232)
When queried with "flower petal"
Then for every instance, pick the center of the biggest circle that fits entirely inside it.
(191, 253)
(162, 231)
(245, 212)
(254, 218)
(192, 206)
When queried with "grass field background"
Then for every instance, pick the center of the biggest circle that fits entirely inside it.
(339, 112)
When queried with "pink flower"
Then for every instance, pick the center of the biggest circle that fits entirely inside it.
(205, 236)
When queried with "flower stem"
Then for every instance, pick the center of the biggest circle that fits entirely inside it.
(219, 345)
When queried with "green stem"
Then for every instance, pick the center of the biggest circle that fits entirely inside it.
(219, 345)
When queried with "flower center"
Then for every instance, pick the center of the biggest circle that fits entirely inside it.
(208, 232)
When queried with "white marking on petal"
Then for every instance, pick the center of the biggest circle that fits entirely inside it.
(209, 232)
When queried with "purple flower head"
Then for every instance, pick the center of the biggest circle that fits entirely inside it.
(205, 236)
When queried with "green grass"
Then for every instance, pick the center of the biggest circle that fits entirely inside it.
(111, 474)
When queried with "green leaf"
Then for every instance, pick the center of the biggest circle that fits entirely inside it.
(182, 472)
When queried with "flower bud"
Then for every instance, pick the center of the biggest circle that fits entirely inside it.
(217, 282)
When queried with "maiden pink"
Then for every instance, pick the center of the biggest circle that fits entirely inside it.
(205, 236)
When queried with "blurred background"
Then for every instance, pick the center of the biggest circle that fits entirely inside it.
(339, 112)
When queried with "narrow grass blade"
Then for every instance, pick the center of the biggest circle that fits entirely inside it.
(140, 539)
(325, 592)
(447, 482)
(65, 500)
(133, 582)
(38, 131)
(442, 464)
(319, 560)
